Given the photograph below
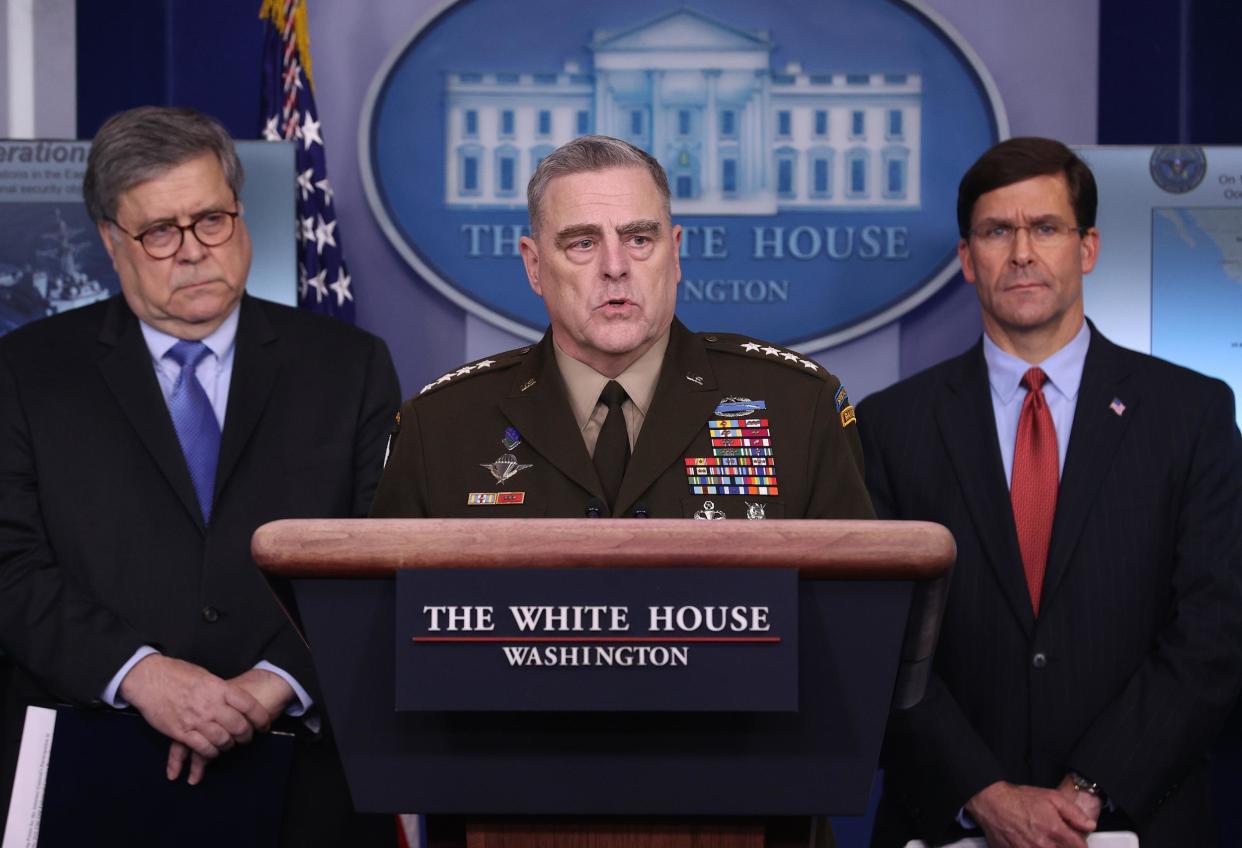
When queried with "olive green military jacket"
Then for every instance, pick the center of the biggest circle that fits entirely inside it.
(737, 429)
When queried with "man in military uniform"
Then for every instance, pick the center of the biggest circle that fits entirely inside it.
(620, 410)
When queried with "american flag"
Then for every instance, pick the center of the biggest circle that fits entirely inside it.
(289, 113)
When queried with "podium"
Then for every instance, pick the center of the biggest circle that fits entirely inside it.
(869, 596)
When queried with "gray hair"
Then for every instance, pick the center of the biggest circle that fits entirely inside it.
(141, 144)
(590, 153)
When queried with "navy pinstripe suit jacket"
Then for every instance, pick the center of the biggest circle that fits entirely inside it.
(1136, 657)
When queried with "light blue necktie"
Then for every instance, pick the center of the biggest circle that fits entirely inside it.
(195, 421)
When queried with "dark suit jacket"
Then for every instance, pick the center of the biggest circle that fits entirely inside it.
(456, 425)
(1136, 656)
(102, 543)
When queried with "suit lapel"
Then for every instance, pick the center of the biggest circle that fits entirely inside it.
(968, 428)
(679, 411)
(538, 407)
(1094, 439)
(125, 363)
(255, 367)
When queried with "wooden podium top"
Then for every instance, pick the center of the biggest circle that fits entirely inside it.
(377, 547)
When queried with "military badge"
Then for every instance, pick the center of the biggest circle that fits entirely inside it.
(511, 438)
(739, 407)
(709, 512)
(504, 467)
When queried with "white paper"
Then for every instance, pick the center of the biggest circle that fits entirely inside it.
(21, 829)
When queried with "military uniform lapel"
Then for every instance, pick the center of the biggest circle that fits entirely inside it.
(1099, 425)
(679, 411)
(126, 366)
(537, 406)
(254, 374)
(968, 427)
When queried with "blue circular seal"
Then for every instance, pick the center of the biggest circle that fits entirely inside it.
(813, 149)
(1178, 168)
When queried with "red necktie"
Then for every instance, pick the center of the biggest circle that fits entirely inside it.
(1033, 489)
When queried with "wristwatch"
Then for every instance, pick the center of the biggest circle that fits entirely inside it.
(1081, 784)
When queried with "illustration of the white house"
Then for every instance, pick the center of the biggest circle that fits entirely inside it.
(735, 136)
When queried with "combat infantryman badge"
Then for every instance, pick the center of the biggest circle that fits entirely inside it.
(504, 467)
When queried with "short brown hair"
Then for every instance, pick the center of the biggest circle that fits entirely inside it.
(1018, 159)
(590, 153)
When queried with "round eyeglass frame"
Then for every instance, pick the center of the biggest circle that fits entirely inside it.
(181, 229)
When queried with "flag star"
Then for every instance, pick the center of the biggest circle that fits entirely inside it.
(444, 378)
(317, 283)
(750, 346)
(310, 131)
(792, 357)
(271, 132)
(341, 288)
(425, 388)
(323, 186)
(301, 282)
(770, 351)
(308, 229)
(486, 363)
(323, 234)
(304, 182)
(461, 372)
(806, 363)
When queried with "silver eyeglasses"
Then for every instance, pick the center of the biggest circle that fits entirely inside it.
(1045, 234)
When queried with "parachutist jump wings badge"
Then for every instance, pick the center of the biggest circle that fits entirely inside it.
(504, 467)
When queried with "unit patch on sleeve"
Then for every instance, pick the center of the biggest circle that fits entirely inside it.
(844, 408)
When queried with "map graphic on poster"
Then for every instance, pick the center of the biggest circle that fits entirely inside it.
(51, 258)
(1168, 279)
(1196, 276)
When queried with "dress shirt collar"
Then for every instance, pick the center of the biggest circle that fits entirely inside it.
(220, 342)
(583, 383)
(1064, 368)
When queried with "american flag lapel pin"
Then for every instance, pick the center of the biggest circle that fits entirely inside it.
(1117, 407)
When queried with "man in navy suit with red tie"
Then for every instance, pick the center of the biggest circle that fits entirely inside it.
(1090, 650)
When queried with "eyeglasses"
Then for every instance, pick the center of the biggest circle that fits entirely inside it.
(997, 236)
(161, 241)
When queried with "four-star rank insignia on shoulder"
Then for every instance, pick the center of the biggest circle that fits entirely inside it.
(744, 346)
(495, 363)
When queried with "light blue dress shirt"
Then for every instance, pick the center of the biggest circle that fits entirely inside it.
(215, 373)
(1005, 372)
(1064, 370)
